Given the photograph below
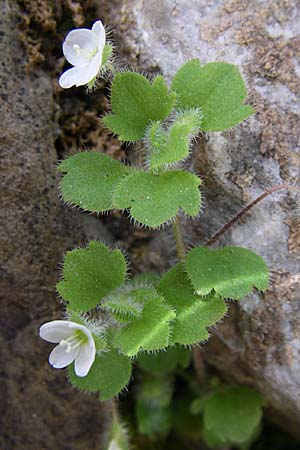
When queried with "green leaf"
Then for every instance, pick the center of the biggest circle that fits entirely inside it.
(156, 198)
(165, 361)
(150, 332)
(90, 180)
(156, 388)
(127, 303)
(231, 415)
(90, 274)
(168, 147)
(197, 405)
(153, 419)
(135, 103)
(153, 405)
(109, 374)
(145, 279)
(230, 271)
(193, 313)
(217, 88)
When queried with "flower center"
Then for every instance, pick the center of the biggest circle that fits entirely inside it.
(74, 341)
(76, 49)
(88, 54)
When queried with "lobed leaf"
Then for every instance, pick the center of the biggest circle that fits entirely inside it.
(90, 179)
(194, 314)
(172, 145)
(232, 415)
(156, 198)
(217, 88)
(109, 374)
(127, 303)
(135, 103)
(90, 274)
(149, 332)
(231, 271)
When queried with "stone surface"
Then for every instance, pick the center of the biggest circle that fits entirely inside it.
(39, 410)
(260, 343)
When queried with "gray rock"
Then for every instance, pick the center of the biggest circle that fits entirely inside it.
(260, 343)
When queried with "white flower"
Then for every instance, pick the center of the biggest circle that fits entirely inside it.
(83, 48)
(75, 343)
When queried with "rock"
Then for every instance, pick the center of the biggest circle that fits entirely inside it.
(260, 343)
(39, 409)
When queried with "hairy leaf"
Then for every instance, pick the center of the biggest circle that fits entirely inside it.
(90, 179)
(109, 374)
(170, 146)
(194, 314)
(90, 274)
(127, 302)
(149, 332)
(230, 271)
(156, 198)
(217, 88)
(232, 415)
(135, 103)
(145, 279)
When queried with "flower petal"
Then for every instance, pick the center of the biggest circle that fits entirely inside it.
(86, 42)
(79, 76)
(85, 359)
(56, 330)
(70, 78)
(60, 357)
(91, 70)
(99, 30)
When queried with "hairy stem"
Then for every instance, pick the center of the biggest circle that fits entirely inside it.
(114, 410)
(246, 209)
(180, 248)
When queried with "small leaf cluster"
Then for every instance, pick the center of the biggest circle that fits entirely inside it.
(156, 389)
(154, 320)
(231, 416)
(222, 416)
(144, 315)
(166, 119)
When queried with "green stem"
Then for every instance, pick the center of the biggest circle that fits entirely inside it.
(180, 248)
(114, 410)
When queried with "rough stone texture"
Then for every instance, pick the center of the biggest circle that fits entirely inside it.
(260, 344)
(39, 410)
